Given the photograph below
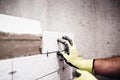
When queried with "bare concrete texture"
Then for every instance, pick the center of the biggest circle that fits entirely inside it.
(108, 29)
(95, 23)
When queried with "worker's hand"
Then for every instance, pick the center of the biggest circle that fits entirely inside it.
(83, 75)
(69, 47)
(72, 57)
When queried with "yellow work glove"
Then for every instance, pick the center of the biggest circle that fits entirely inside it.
(72, 57)
(83, 75)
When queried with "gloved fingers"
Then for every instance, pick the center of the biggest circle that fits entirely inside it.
(85, 75)
(79, 71)
(68, 39)
(66, 45)
(65, 55)
(61, 41)
(76, 74)
(83, 71)
(64, 42)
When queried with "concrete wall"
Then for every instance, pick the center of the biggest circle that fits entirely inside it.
(95, 23)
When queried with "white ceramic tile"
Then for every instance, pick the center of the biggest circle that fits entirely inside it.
(5, 69)
(33, 67)
(50, 40)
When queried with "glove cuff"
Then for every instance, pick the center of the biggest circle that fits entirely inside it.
(89, 65)
(85, 64)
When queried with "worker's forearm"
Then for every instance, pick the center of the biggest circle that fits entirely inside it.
(107, 67)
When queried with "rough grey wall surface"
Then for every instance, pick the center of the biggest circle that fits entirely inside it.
(95, 23)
